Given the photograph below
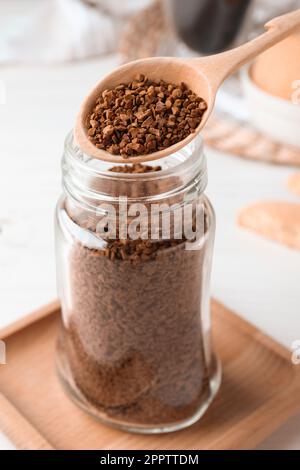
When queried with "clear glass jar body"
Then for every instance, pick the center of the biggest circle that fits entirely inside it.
(135, 348)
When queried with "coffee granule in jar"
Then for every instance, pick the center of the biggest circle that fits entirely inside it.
(133, 341)
(144, 116)
(135, 168)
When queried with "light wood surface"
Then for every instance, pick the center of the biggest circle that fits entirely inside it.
(260, 391)
(202, 75)
(19, 429)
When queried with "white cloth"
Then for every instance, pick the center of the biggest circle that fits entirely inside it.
(58, 31)
(264, 10)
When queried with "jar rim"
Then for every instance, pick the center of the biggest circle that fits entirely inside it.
(86, 179)
(190, 156)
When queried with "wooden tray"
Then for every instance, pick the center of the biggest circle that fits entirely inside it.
(260, 391)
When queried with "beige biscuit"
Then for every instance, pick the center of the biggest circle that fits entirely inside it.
(277, 221)
(294, 183)
(282, 59)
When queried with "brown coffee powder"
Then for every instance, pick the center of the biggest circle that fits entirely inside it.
(134, 342)
(144, 116)
(133, 337)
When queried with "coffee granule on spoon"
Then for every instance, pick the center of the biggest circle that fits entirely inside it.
(144, 116)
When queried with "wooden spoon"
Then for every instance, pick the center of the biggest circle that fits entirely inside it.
(202, 75)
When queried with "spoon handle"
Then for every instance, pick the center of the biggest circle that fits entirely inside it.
(219, 66)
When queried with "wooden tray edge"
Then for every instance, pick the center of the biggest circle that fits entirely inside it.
(248, 327)
(27, 320)
(19, 430)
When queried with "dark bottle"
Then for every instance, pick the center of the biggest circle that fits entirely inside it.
(208, 26)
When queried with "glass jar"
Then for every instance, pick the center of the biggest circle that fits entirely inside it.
(134, 254)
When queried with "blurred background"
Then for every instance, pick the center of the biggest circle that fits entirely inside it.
(53, 51)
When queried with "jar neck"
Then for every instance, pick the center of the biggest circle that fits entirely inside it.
(88, 181)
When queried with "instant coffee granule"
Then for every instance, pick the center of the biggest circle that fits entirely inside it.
(133, 339)
(144, 116)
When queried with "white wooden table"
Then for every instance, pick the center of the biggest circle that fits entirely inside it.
(256, 278)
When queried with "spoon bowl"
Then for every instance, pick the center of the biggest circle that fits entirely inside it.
(201, 75)
(155, 68)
